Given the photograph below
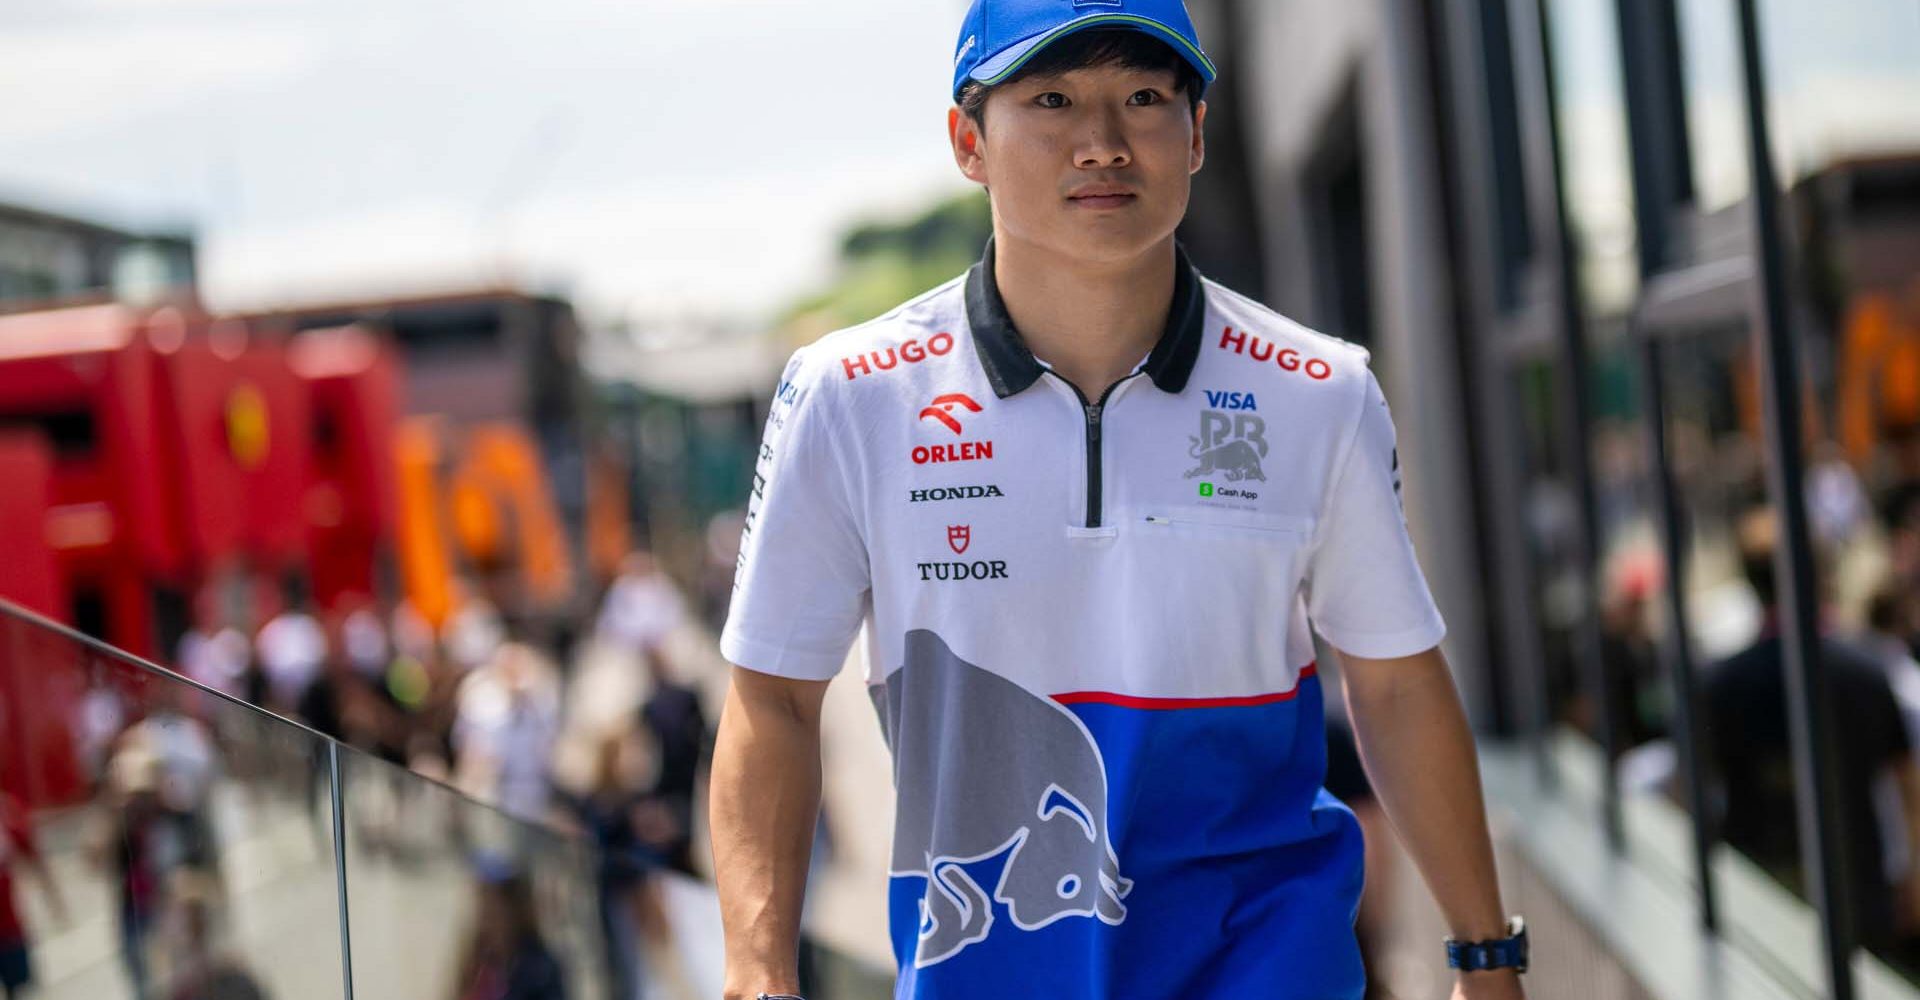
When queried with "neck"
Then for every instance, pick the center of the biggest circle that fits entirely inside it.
(1091, 321)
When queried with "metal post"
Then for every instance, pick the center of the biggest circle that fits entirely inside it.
(1588, 651)
(1676, 649)
(340, 863)
(1576, 431)
(1808, 699)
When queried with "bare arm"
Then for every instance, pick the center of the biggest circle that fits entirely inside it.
(765, 799)
(1419, 755)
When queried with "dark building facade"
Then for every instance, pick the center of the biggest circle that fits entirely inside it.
(47, 257)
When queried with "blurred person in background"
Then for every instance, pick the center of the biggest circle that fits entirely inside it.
(1837, 507)
(1902, 516)
(643, 606)
(473, 633)
(134, 840)
(199, 968)
(213, 652)
(675, 718)
(1747, 731)
(186, 763)
(363, 641)
(1628, 649)
(507, 723)
(1883, 639)
(608, 810)
(506, 958)
(20, 855)
(292, 648)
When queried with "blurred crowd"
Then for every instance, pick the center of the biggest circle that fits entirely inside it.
(1865, 531)
(597, 737)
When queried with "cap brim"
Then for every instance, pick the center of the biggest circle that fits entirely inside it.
(1008, 61)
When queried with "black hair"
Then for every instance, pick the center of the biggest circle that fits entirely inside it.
(1088, 49)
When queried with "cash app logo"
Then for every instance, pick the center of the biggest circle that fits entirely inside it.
(1206, 489)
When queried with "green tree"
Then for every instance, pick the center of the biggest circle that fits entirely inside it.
(885, 262)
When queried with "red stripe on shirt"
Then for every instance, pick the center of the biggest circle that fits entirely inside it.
(1130, 701)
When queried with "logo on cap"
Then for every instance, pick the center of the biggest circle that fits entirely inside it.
(1096, 3)
(966, 48)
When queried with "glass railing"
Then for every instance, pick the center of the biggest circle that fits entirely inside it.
(165, 842)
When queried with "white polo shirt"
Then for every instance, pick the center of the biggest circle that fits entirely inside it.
(1087, 634)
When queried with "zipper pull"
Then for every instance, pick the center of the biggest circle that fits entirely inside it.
(1093, 417)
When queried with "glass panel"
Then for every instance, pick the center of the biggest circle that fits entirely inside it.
(1592, 113)
(1551, 516)
(1842, 84)
(446, 894)
(1716, 103)
(1715, 439)
(1630, 557)
(1842, 79)
(1591, 107)
(161, 841)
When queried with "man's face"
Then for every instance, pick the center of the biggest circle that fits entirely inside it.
(1094, 164)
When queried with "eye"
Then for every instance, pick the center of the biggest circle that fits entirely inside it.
(1152, 96)
(1068, 888)
(1045, 102)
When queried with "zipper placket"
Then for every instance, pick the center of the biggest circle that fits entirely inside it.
(1093, 412)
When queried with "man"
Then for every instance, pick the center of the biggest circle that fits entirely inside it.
(1749, 737)
(1086, 503)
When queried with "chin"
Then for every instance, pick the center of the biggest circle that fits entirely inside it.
(1111, 239)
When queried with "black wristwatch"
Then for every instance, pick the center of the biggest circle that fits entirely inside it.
(1509, 952)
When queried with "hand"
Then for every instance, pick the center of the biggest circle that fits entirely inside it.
(1488, 984)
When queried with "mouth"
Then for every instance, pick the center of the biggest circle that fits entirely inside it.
(1104, 201)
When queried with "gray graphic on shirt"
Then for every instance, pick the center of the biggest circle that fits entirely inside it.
(1229, 445)
(985, 769)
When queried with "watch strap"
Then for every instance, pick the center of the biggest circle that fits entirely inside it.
(1500, 953)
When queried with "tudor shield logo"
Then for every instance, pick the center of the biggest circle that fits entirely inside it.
(943, 406)
(959, 536)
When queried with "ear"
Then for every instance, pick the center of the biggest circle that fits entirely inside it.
(968, 142)
(1198, 156)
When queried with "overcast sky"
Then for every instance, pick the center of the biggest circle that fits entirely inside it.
(669, 156)
(648, 155)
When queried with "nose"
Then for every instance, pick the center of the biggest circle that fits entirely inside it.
(1104, 144)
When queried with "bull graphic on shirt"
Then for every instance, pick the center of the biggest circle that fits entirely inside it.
(987, 771)
(1229, 445)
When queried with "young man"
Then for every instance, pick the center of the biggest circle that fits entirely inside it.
(1088, 505)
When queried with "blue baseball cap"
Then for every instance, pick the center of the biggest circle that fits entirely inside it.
(999, 36)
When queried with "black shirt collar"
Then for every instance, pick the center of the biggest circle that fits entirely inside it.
(1011, 367)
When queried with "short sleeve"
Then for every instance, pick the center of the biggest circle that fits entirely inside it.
(800, 587)
(1366, 592)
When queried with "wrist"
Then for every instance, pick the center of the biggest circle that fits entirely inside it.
(1488, 984)
(1487, 954)
(749, 987)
